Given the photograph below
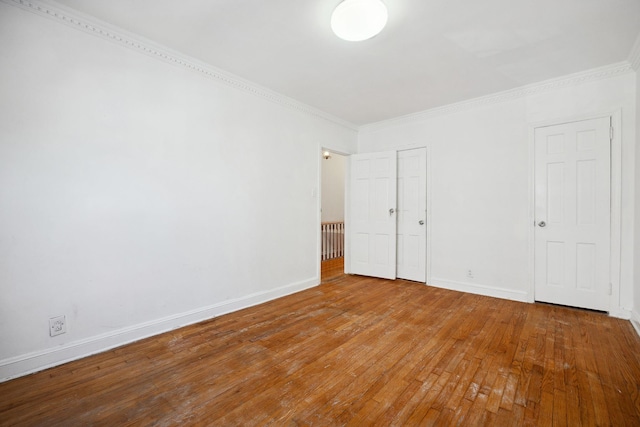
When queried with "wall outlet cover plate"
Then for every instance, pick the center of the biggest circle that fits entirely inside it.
(57, 325)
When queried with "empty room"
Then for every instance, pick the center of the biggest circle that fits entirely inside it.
(327, 212)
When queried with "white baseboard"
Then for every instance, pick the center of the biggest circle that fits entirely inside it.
(478, 289)
(620, 313)
(635, 321)
(32, 362)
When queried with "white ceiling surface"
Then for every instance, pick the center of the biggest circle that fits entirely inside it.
(432, 52)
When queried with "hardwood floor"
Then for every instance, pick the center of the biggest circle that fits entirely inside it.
(354, 351)
(331, 269)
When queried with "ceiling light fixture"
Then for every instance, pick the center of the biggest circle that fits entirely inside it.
(357, 20)
(326, 155)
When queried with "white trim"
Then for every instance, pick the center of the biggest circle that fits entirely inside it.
(91, 25)
(32, 362)
(479, 289)
(621, 313)
(319, 214)
(347, 172)
(595, 74)
(531, 294)
(428, 216)
(347, 215)
(635, 321)
(323, 148)
(615, 307)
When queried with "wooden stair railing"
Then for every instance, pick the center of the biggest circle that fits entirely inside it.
(332, 236)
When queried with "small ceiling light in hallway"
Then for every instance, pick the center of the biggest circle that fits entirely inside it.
(356, 20)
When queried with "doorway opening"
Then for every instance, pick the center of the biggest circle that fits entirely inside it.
(332, 208)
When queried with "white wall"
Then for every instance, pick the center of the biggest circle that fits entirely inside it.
(137, 195)
(480, 171)
(333, 174)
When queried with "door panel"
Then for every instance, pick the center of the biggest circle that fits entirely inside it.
(573, 214)
(412, 205)
(373, 217)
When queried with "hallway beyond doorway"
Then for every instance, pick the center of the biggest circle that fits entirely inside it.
(331, 269)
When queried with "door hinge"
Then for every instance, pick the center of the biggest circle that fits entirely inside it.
(611, 133)
(610, 288)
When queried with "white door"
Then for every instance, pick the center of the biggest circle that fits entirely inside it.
(573, 214)
(412, 210)
(372, 213)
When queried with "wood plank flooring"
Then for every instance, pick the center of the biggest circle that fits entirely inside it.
(354, 351)
(331, 269)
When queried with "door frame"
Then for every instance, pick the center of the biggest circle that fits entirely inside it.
(318, 194)
(616, 198)
(428, 216)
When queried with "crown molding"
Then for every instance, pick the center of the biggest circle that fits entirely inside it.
(88, 24)
(507, 95)
(634, 55)
(91, 25)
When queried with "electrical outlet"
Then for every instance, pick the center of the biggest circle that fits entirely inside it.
(470, 274)
(57, 325)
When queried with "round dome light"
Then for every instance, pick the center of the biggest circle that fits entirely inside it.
(356, 20)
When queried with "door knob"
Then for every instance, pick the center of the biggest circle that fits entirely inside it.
(542, 224)
(421, 222)
(391, 211)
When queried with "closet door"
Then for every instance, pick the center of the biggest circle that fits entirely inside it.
(412, 215)
(573, 213)
(372, 208)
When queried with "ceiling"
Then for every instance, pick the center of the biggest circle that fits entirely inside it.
(432, 52)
